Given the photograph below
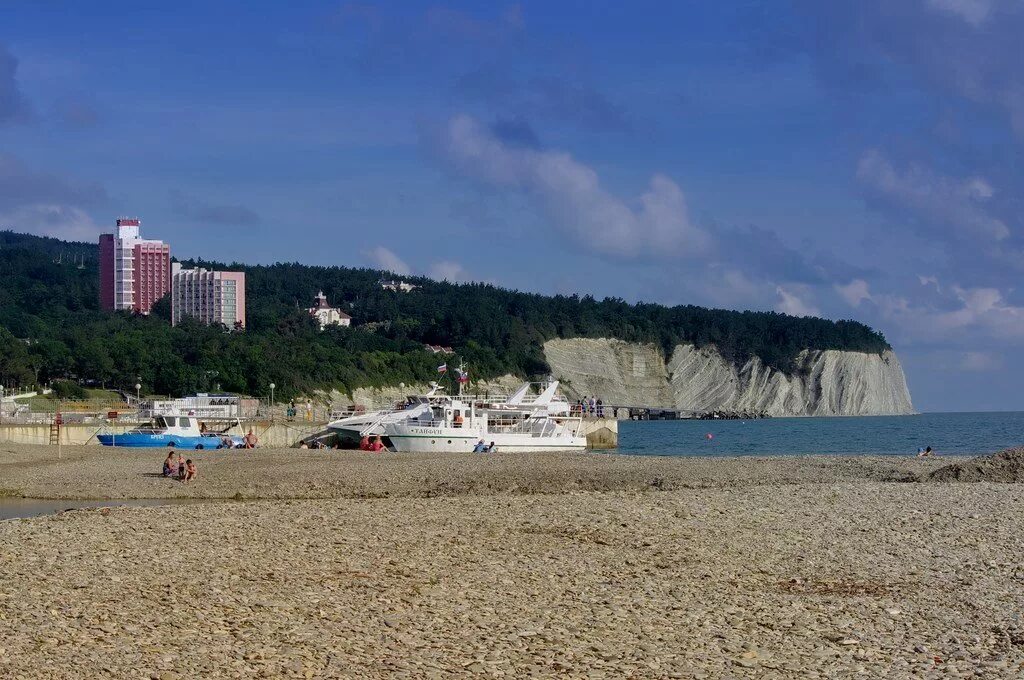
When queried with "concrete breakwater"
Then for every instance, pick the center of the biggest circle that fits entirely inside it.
(601, 433)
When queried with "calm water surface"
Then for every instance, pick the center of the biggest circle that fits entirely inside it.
(947, 433)
(14, 508)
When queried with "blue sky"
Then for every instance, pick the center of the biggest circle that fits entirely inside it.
(844, 159)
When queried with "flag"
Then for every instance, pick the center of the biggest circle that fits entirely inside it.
(443, 368)
(463, 376)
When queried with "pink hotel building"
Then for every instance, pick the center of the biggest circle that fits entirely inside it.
(136, 272)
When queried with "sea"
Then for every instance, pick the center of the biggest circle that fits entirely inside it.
(957, 434)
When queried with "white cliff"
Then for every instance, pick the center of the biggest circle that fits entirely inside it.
(828, 382)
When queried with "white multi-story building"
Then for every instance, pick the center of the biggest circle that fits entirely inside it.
(326, 315)
(209, 296)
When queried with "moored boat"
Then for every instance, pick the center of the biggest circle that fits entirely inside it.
(451, 424)
(173, 431)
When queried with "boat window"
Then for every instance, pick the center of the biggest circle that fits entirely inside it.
(159, 421)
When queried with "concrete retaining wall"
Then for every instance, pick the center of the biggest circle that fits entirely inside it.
(271, 435)
(601, 433)
(70, 435)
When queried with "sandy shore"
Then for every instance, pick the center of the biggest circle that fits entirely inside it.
(729, 568)
(89, 472)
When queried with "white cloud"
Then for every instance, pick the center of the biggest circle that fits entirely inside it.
(790, 303)
(385, 259)
(955, 314)
(446, 270)
(571, 195)
(980, 361)
(854, 292)
(932, 199)
(974, 12)
(58, 221)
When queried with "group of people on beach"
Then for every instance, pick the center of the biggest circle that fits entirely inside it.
(593, 407)
(376, 446)
(481, 447)
(178, 468)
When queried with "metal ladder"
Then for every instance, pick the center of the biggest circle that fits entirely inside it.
(55, 424)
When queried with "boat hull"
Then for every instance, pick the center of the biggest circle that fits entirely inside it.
(139, 440)
(419, 439)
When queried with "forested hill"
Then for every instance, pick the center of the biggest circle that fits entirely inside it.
(48, 296)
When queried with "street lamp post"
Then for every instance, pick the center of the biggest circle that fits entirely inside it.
(272, 386)
(138, 393)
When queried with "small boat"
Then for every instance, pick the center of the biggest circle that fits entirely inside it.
(171, 431)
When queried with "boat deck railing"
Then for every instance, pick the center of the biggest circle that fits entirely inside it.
(546, 427)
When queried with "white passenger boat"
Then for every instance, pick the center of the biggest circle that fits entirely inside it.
(436, 422)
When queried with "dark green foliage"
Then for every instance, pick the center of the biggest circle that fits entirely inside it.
(65, 389)
(496, 331)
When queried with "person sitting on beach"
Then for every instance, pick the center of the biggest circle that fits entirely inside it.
(170, 465)
(480, 447)
(181, 467)
(364, 444)
(250, 440)
(190, 471)
(927, 452)
(226, 443)
(492, 448)
(378, 445)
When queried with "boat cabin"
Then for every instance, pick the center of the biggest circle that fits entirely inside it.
(186, 423)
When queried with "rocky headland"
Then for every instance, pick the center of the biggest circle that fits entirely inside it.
(824, 383)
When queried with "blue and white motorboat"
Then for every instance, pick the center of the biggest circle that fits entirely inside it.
(172, 431)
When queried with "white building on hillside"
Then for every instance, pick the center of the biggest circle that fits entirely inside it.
(398, 286)
(327, 315)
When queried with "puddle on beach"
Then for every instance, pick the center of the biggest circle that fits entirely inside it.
(18, 508)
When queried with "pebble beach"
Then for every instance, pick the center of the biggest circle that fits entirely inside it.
(341, 564)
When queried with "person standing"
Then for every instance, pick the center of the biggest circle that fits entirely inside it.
(600, 408)
(593, 407)
(309, 410)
